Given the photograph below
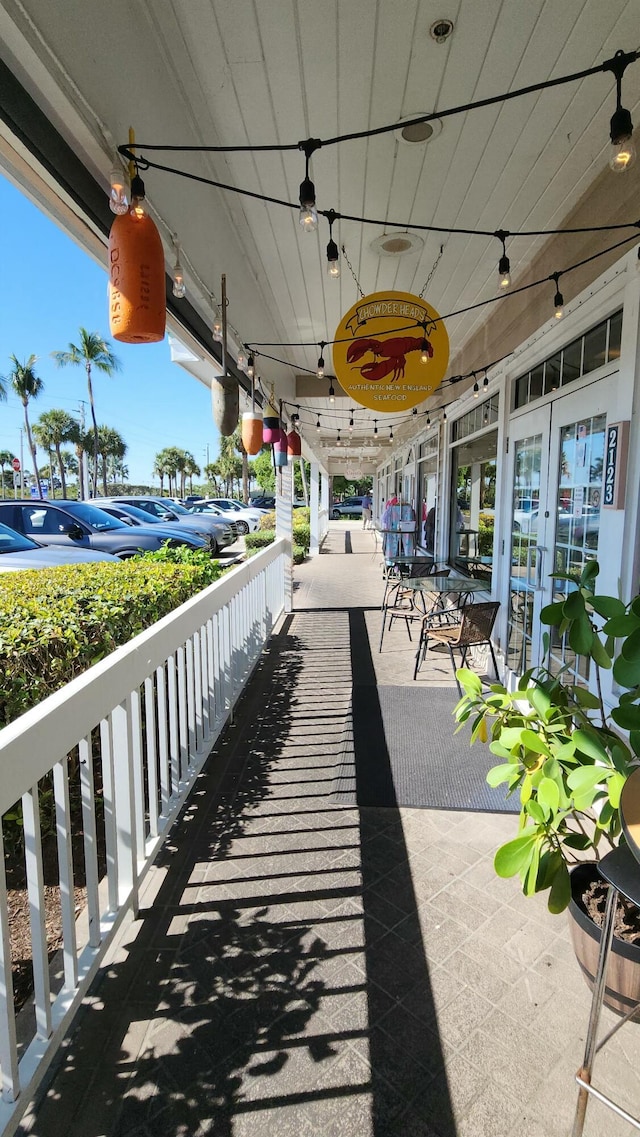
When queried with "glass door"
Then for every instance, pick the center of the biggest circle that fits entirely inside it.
(557, 460)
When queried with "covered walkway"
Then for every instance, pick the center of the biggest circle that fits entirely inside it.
(303, 966)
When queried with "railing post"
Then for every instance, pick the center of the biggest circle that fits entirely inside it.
(284, 528)
(8, 1049)
(314, 510)
(124, 801)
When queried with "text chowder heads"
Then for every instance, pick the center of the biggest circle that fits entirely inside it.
(392, 353)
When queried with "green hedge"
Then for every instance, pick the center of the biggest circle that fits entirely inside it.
(263, 537)
(55, 623)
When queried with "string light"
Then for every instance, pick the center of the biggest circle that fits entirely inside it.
(251, 367)
(444, 414)
(485, 382)
(623, 151)
(338, 440)
(428, 419)
(308, 213)
(318, 425)
(179, 286)
(216, 327)
(390, 434)
(476, 389)
(118, 196)
(332, 394)
(558, 300)
(415, 412)
(375, 426)
(504, 267)
(426, 350)
(138, 208)
(320, 367)
(333, 253)
(242, 361)
(351, 424)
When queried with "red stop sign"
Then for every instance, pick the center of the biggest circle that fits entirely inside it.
(16, 464)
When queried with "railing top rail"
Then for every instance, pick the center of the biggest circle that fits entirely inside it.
(35, 741)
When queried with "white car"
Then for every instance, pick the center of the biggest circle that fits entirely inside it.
(526, 521)
(18, 552)
(246, 520)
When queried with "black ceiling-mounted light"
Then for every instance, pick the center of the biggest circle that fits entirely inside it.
(251, 369)
(320, 367)
(485, 382)
(476, 389)
(333, 252)
(623, 151)
(332, 394)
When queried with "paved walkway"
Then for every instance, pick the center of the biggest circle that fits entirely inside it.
(301, 969)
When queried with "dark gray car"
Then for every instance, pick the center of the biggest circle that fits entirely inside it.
(82, 525)
(219, 529)
(135, 517)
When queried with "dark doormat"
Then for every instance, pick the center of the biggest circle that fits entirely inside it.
(399, 748)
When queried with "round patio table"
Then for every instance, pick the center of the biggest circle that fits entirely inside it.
(441, 585)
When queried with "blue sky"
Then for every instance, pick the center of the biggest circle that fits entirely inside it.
(51, 288)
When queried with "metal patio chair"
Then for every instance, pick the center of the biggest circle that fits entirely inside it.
(404, 599)
(473, 630)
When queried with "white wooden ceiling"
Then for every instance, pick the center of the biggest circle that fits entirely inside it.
(231, 72)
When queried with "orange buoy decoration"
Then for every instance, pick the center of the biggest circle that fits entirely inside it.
(294, 444)
(252, 432)
(137, 304)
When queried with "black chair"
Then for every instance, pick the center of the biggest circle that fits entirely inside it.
(473, 630)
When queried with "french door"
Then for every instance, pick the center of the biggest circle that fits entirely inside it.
(556, 471)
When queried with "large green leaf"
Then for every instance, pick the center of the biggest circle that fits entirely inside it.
(599, 653)
(588, 743)
(614, 789)
(549, 794)
(581, 634)
(469, 681)
(573, 606)
(622, 625)
(627, 715)
(585, 779)
(560, 893)
(540, 700)
(626, 672)
(589, 574)
(552, 614)
(499, 774)
(534, 742)
(631, 646)
(585, 697)
(515, 855)
(607, 606)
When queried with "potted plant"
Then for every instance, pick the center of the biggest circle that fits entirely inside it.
(567, 754)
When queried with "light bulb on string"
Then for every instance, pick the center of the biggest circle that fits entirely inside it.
(138, 209)
(375, 426)
(318, 425)
(558, 300)
(333, 253)
(332, 394)
(338, 440)
(242, 361)
(476, 389)
(504, 266)
(623, 151)
(251, 370)
(485, 382)
(390, 434)
(118, 195)
(216, 328)
(428, 419)
(308, 214)
(179, 286)
(320, 367)
(351, 424)
(444, 415)
(415, 412)
(426, 350)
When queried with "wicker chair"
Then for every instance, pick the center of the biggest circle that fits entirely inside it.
(403, 607)
(474, 630)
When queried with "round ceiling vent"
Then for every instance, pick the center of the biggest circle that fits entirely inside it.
(440, 30)
(397, 244)
(417, 132)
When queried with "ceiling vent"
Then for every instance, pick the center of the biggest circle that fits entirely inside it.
(397, 244)
(440, 30)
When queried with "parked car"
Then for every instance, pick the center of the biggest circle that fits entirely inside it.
(133, 516)
(81, 525)
(350, 507)
(246, 520)
(526, 521)
(18, 552)
(217, 530)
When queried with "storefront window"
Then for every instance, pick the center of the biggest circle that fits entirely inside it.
(596, 347)
(473, 505)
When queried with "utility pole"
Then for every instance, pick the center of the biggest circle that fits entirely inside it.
(21, 461)
(83, 473)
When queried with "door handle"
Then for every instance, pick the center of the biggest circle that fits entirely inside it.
(540, 550)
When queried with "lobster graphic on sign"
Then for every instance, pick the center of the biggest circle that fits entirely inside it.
(390, 356)
(390, 351)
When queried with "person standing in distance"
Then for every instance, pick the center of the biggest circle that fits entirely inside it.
(366, 512)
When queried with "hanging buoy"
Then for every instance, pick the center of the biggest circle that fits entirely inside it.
(137, 303)
(225, 404)
(252, 432)
(270, 424)
(280, 448)
(294, 444)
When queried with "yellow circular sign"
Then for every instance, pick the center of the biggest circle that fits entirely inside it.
(393, 351)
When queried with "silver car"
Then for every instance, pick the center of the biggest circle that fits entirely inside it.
(18, 553)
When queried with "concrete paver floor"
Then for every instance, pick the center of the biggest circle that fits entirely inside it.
(299, 968)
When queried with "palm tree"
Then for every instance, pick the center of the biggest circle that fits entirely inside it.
(191, 469)
(26, 385)
(173, 459)
(6, 458)
(82, 441)
(51, 430)
(93, 351)
(111, 446)
(160, 468)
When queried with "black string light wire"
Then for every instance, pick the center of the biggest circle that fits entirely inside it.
(619, 127)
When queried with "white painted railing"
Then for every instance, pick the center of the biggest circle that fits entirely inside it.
(143, 722)
(323, 524)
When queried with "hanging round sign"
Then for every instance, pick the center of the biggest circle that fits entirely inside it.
(392, 351)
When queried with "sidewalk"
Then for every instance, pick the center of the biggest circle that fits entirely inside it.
(302, 969)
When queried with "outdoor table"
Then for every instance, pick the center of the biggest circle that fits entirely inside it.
(621, 870)
(441, 585)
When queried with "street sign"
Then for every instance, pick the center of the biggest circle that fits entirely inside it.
(16, 464)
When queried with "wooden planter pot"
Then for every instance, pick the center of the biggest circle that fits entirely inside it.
(623, 972)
